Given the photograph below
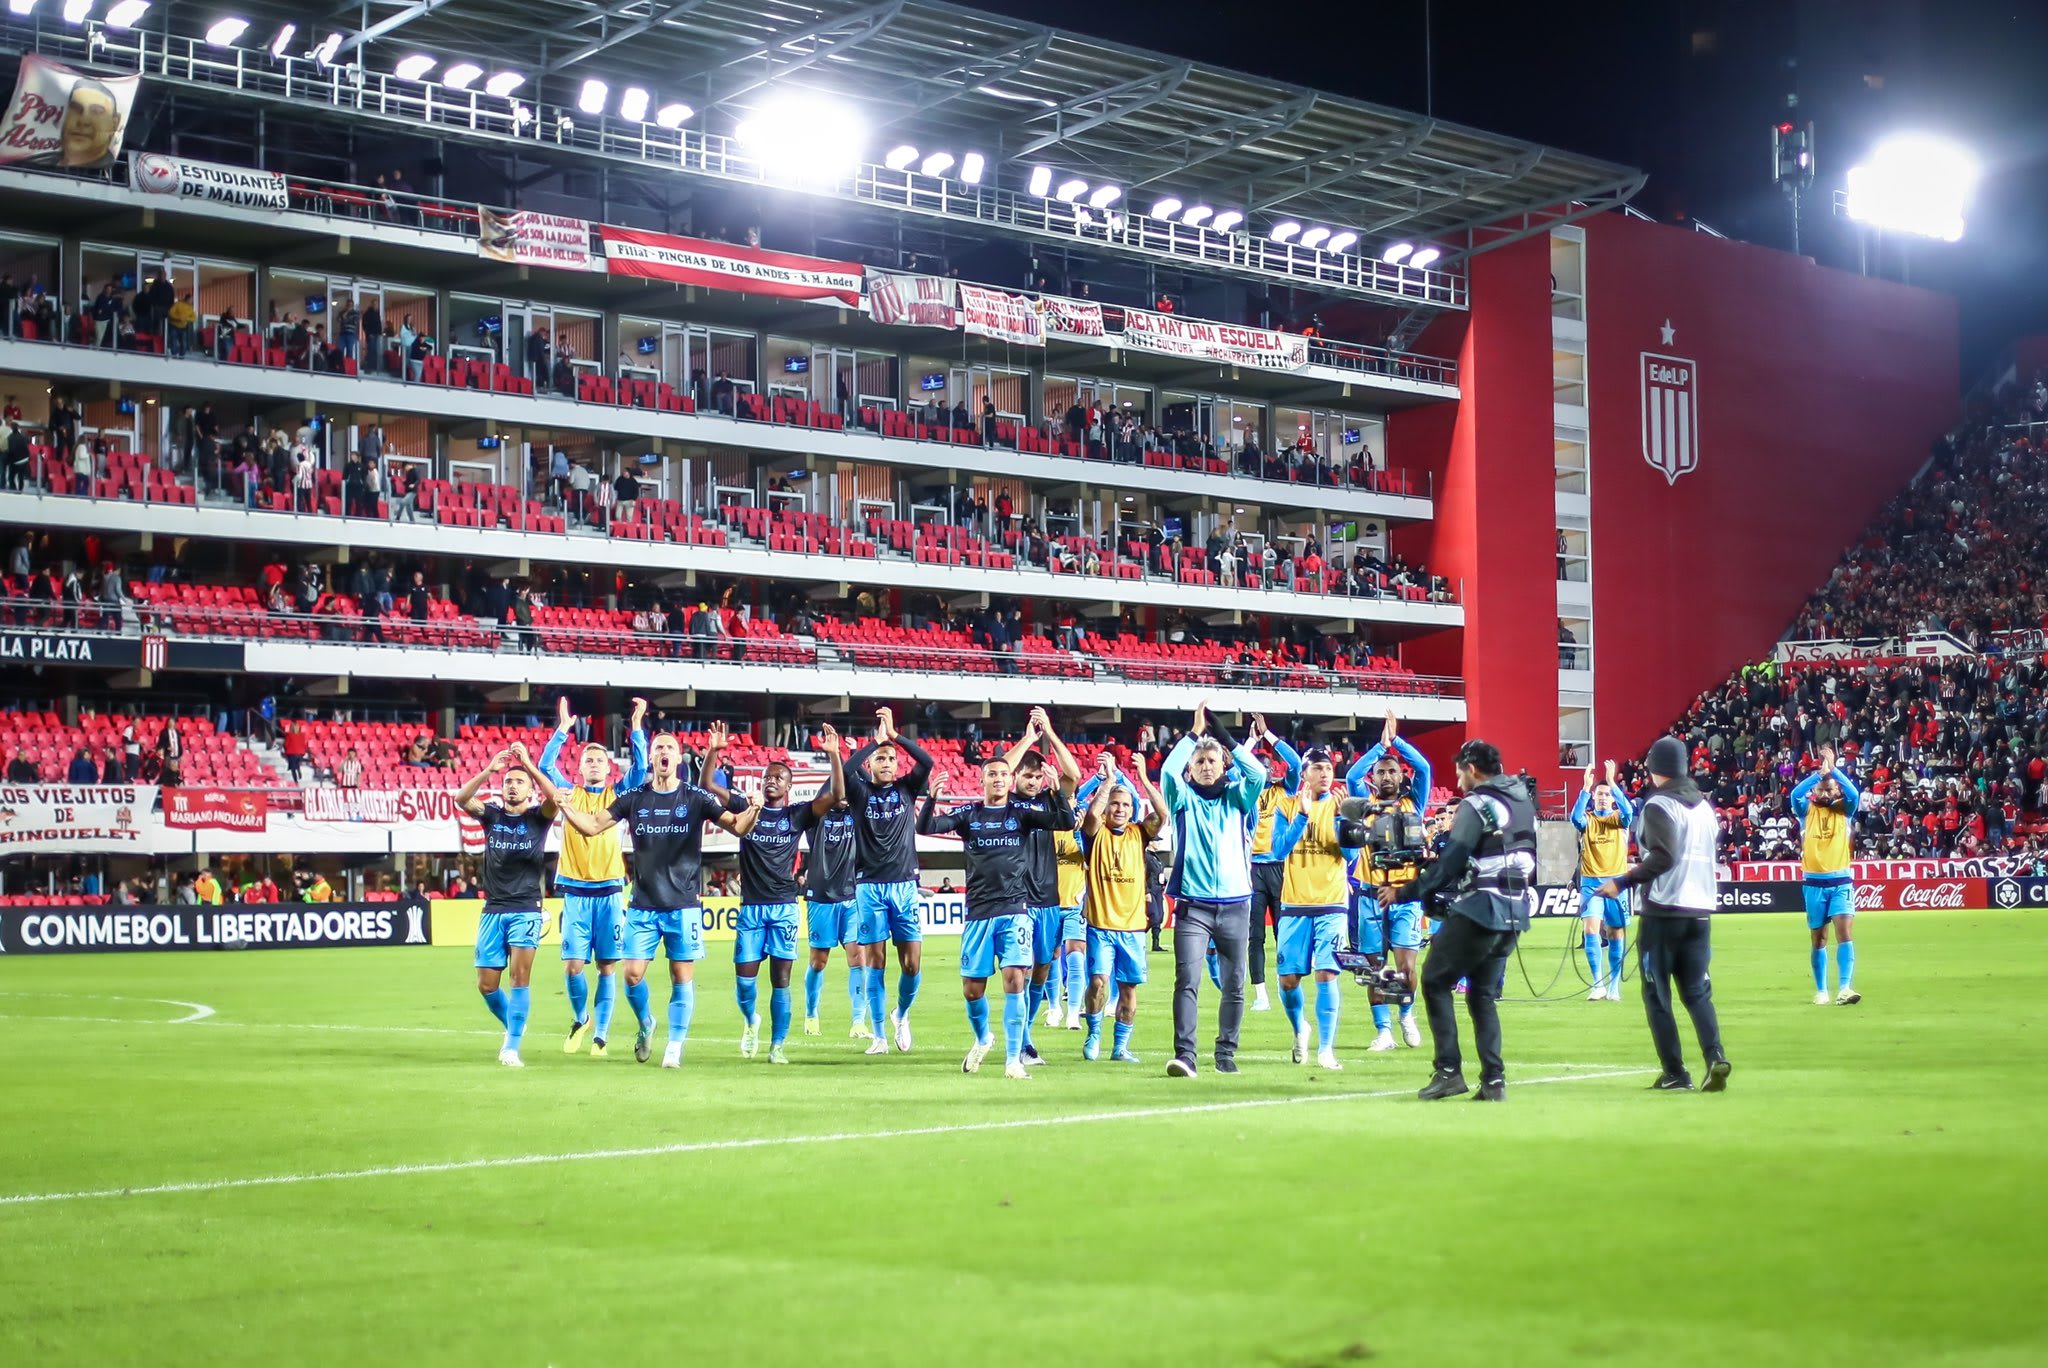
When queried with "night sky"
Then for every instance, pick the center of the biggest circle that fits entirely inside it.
(1688, 90)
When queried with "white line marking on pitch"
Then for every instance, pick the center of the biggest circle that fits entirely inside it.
(757, 1142)
(197, 1011)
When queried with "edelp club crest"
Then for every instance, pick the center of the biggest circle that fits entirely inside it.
(1671, 410)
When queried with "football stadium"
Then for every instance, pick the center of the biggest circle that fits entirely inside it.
(719, 677)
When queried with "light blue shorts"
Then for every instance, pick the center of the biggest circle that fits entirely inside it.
(1051, 929)
(886, 912)
(498, 934)
(593, 925)
(991, 943)
(828, 925)
(1309, 941)
(1118, 956)
(1825, 902)
(765, 931)
(1612, 912)
(675, 932)
(1404, 926)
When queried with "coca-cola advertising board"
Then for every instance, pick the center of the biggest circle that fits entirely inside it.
(1922, 895)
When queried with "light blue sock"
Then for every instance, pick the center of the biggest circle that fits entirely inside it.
(640, 998)
(1077, 980)
(977, 1018)
(1592, 940)
(1290, 1002)
(1820, 968)
(1407, 1011)
(1382, 1017)
(495, 1000)
(682, 1005)
(1845, 962)
(1326, 1013)
(814, 987)
(906, 992)
(518, 1002)
(1617, 956)
(1055, 979)
(1215, 974)
(856, 992)
(748, 993)
(607, 998)
(778, 1015)
(579, 995)
(1013, 1027)
(1120, 1042)
(1035, 995)
(878, 1007)
(1094, 1020)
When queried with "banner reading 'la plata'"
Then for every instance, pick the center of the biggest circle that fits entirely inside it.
(61, 117)
(728, 266)
(529, 239)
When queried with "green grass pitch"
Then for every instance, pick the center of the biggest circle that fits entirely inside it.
(1867, 1192)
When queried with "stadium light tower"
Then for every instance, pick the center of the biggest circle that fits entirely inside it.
(225, 32)
(801, 138)
(1914, 183)
(125, 14)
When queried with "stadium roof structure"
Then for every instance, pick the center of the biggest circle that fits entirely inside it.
(930, 73)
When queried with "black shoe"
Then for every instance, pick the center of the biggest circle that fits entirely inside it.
(1491, 1090)
(1224, 1065)
(1717, 1076)
(1672, 1083)
(1180, 1068)
(1443, 1083)
(1030, 1057)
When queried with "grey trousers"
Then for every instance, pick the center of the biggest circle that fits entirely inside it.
(1196, 923)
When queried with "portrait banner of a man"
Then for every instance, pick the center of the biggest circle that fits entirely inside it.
(61, 117)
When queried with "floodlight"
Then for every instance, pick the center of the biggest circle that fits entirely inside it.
(1425, 258)
(225, 31)
(414, 67)
(503, 83)
(804, 138)
(21, 6)
(1195, 214)
(1070, 189)
(937, 164)
(125, 13)
(1227, 220)
(1314, 237)
(282, 44)
(1041, 180)
(324, 54)
(673, 115)
(462, 75)
(971, 167)
(1914, 183)
(1104, 196)
(75, 11)
(1397, 253)
(1284, 230)
(900, 157)
(1165, 208)
(1343, 242)
(633, 105)
(591, 101)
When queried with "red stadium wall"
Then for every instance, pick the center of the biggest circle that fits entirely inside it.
(1818, 393)
(1489, 457)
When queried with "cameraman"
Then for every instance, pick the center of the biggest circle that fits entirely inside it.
(1488, 871)
(1398, 847)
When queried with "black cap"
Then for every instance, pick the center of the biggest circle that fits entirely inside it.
(1667, 757)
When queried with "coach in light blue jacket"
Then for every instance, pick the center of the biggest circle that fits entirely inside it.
(1211, 784)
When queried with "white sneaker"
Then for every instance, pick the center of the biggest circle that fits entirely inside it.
(1381, 1043)
(1614, 992)
(975, 1054)
(672, 1055)
(1599, 993)
(859, 1030)
(1327, 1059)
(1848, 997)
(811, 1027)
(750, 1038)
(1410, 1032)
(902, 1033)
(1821, 999)
(1073, 1018)
(1259, 1003)
(510, 1059)
(877, 1045)
(1300, 1052)
(1052, 1015)
(1014, 1069)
